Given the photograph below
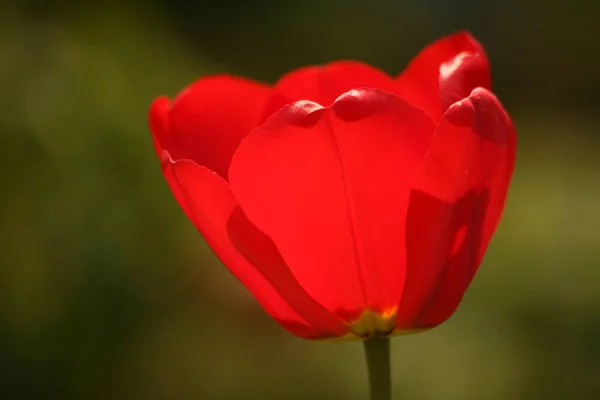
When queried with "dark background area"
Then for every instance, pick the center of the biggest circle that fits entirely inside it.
(108, 292)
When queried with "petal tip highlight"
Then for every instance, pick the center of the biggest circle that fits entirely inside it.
(302, 113)
(362, 103)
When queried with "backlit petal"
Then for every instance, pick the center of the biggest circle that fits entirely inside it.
(331, 187)
(324, 84)
(445, 72)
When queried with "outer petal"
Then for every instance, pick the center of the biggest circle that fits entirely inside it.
(324, 84)
(445, 72)
(209, 119)
(161, 134)
(455, 207)
(331, 186)
(250, 255)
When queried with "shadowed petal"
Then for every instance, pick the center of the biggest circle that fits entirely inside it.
(210, 117)
(250, 255)
(454, 210)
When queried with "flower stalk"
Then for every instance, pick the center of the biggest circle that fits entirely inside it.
(377, 353)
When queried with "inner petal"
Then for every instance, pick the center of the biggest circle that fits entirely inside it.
(324, 84)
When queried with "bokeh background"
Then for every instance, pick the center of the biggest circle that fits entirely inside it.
(108, 292)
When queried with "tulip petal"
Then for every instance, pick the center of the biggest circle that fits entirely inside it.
(250, 255)
(455, 208)
(324, 84)
(331, 187)
(445, 72)
(209, 119)
(161, 134)
(167, 169)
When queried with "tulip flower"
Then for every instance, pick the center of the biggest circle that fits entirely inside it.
(351, 204)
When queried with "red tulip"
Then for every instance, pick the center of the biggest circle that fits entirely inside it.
(350, 203)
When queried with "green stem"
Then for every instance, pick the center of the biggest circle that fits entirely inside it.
(377, 352)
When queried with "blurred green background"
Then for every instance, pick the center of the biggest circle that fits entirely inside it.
(108, 292)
